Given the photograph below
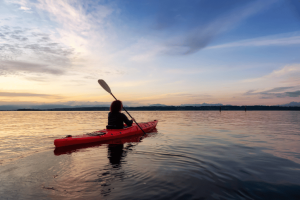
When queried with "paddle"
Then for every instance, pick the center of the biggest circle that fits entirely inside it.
(107, 89)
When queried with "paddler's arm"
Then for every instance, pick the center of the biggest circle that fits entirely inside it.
(126, 120)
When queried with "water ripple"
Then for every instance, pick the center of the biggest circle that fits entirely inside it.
(194, 155)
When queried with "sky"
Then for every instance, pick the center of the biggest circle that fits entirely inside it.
(168, 52)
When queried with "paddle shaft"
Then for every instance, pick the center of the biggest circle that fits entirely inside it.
(129, 115)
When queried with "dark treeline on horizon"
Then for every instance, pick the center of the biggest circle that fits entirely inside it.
(174, 108)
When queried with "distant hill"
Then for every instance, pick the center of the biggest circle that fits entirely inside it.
(158, 104)
(105, 107)
(46, 106)
(203, 104)
(9, 107)
(292, 104)
(178, 108)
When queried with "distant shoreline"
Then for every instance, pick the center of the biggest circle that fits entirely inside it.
(175, 108)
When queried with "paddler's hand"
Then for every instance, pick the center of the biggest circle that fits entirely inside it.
(133, 119)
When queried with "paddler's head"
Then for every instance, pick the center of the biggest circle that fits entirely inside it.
(116, 106)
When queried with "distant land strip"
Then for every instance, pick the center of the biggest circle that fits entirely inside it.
(176, 108)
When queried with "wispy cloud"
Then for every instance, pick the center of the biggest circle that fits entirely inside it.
(201, 36)
(23, 94)
(278, 89)
(293, 94)
(274, 40)
(18, 39)
(78, 21)
(288, 74)
(8, 67)
(19, 44)
(285, 82)
(178, 97)
(279, 92)
(60, 38)
(23, 4)
(133, 83)
(193, 39)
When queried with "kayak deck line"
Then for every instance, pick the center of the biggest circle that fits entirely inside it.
(105, 134)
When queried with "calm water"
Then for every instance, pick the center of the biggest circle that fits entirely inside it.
(191, 155)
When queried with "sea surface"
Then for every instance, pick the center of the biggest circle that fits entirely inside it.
(190, 155)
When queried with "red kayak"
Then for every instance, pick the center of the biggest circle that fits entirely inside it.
(78, 147)
(105, 134)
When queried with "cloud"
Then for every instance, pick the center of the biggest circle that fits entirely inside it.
(18, 94)
(288, 74)
(23, 39)
(197, 34)
(17, 37)
(279, 89)
(23, 4)
(94, 74)
(273, 40)
(46, 56)
(290, 69)
(280, 83)
(84, 103)
(51, 49)
(17, 67)
(279, 92)
(293, 94)
(184, 71)
(25, 8)
(201, 36)
(65, 35)
(77, 18)
(177, 96)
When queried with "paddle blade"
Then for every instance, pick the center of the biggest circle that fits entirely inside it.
(104, 85)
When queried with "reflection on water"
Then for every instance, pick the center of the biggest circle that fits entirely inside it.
(115, 154)
(193, 155)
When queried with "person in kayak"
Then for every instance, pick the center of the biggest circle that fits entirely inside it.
(116, 119)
